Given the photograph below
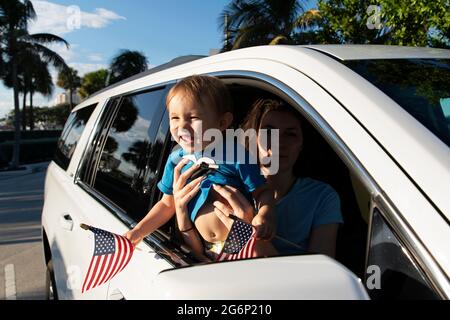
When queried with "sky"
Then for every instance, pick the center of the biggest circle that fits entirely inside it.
(97, 29)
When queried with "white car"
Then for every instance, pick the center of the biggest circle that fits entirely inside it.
(379, 133)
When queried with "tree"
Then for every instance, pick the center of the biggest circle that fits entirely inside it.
(345, 21)
(14, 40)
(40, 81)
(400, 22)
(417, 22)
(68, 79)
(126, 64)
(256, 22)
(93, 82)
(34, 76)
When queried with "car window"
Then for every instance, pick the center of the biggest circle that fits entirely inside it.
(123, 167)
(420, 86)
(71, 133)
(392, 272)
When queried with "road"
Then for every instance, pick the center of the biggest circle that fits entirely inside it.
(22, 269)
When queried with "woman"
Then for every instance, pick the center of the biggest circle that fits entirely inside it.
(308, 211)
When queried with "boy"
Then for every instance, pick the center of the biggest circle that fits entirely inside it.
(196, 104)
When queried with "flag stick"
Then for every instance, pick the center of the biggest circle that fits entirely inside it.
(290, 243)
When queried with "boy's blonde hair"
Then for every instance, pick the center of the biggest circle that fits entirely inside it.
(210, 91)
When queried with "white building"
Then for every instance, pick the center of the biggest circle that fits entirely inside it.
(64, 98)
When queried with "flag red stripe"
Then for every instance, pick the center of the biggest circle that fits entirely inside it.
(116, 260)
(119, 258)
(100, 273)
(129, 249)
(108, 268)
(125, 255)
(103, 259)
(97, 262)
(87, 275)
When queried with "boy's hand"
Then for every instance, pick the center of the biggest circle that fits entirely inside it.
(134, 236)
(265, 228)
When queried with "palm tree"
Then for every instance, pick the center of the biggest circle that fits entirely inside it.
(257, 22)
(40, 81)
(33, 76)
(93, 82)
(15, 40)
(68, 79)
(126, 64)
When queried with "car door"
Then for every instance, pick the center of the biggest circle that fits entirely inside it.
(60, 206)
(115, 181)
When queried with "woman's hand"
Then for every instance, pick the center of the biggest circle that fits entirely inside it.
(265, 228)
(237, 205)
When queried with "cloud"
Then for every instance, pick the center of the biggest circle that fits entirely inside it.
(95, 57)
(68, 54)
(58, 19)
(84, 68)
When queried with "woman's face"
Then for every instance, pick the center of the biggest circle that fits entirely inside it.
(290, 138)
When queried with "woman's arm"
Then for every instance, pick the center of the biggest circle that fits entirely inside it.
(265, 219)
(323, 239)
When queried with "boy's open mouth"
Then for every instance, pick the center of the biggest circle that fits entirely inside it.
(187, 138)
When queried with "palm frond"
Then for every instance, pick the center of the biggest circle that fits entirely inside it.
(307, 19)
(50, 56)
(278, 39)
(46, 38)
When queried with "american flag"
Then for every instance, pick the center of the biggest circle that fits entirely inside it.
(240, 242)
(111, 255)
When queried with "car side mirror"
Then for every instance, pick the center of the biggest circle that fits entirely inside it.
(307, 277)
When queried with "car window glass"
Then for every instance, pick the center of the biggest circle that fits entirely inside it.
(392, 272)
(124, 161)
(70, 135)
(419, 86)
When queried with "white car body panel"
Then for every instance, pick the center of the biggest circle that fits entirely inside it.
(299, 277)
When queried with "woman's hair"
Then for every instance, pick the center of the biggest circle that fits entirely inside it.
(209, 91)
(260, 108)
(263, 106)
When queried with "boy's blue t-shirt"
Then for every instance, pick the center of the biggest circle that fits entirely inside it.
(242, 175)
(309, 204)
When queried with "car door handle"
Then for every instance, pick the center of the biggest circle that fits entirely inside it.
(66, 222)
(116, 294)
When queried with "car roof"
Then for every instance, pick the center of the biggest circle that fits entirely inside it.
(365, 51)
(172, 63)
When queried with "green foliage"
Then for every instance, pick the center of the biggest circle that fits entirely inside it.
(68, 79)
(93, 82)
(396, 22)
(49, 117)
(417, 22)
(401, 22)
(345, 21)
(257, 22)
